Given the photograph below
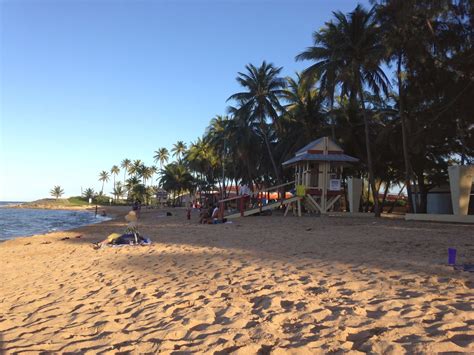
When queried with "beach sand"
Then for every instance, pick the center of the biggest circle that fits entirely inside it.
(259, 285)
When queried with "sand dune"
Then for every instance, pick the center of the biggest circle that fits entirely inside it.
(258, 285)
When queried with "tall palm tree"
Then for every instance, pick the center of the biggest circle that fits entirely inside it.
(57, 191)
(118, 191)
(349, 53)
(395, 17)
(202, 158)
(153, 171)
(245, 140)
(178, 150)
(145, 173)
(104, 177)
(88, 193)
(218, 136)
(161, 156)
(135, 167)
(115, 170)
(304, 117)
(125, 164)
(264, 88)
(175, 177)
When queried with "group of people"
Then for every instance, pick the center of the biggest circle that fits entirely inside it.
(210, 215)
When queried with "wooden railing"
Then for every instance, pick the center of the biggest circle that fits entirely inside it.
(243, 202)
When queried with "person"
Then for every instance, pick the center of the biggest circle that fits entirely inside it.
(188, 211)
(122, 239)
(131, 235)
(137, 206)
(205, 215)
(215, 215)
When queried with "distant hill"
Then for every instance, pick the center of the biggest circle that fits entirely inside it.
(52, 203)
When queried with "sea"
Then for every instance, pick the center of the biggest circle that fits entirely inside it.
(21, 222)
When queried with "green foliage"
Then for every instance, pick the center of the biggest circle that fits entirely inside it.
(57, 191)
(78, 201)
(410, 132)
(88, 193)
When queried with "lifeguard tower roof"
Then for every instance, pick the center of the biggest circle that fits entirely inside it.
(321, 149)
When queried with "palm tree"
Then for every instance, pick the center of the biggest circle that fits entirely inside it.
(104, 177)
(175, 177)
(217, 135)
(153, 170)
(179, 148)
(398, 30)
(88, 193)
(115, 171)
(136, 167)
(263, 87)
(348, 52)
(57, 191)
(146, 173)
(118, 191)
(131, 182)
(125, 164)
(304, 117)
(161, 156)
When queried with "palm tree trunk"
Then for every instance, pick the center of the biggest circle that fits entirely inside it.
(267, 143)
(223, 173)
(406, 157)
(385, 193)
(369, 154)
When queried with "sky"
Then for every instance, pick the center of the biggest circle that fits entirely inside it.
(86, 84)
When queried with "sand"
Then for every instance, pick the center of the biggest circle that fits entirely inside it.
(259, 285)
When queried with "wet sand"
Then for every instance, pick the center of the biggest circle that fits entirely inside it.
(260, 284)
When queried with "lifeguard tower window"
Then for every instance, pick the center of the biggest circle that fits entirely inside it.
(335, 170)
(314, 175)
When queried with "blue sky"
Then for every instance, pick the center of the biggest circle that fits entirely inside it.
(85, 84)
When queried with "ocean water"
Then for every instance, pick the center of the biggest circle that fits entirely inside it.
(20, 222)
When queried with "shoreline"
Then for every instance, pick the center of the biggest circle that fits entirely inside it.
(260, 283)
(112, 213)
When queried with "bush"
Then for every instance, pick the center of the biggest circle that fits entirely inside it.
(78, 200)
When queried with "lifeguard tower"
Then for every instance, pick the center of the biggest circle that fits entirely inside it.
(318, 170)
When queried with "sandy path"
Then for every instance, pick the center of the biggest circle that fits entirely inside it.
(267, 284)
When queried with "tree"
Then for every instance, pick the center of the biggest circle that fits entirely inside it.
(176, 178)
(161, 156)
(304, 117)
(136, 167)
(57, 191)
(104, 177)
(217, 135)
(153, 171)
(145, 173)
(118, 191)
(115, 171)
(125, 164)
(264, 88)
(179, 148)
(202, 158)
(395, 17)
(430, 45)
(88, 193)
(349, 52)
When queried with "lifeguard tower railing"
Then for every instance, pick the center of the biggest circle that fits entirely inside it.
(259, 201)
